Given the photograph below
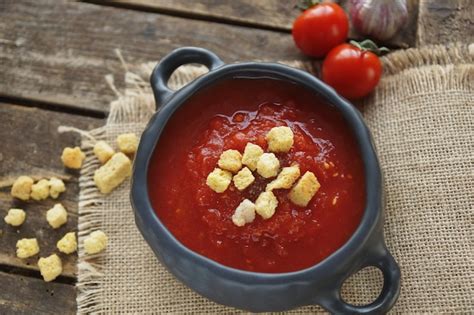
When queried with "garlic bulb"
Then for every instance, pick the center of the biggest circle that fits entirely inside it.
(380, 19)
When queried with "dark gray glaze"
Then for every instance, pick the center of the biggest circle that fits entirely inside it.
(253, 291)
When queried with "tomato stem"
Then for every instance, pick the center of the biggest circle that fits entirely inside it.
(368, 45)
(306, 4)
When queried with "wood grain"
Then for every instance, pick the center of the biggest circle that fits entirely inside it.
(24, 295)
(443, 22)
(32, 146)
(59, 51)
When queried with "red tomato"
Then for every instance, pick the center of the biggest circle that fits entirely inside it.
(352, 72)
(320, 28)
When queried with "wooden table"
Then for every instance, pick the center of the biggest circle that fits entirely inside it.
(54, 55)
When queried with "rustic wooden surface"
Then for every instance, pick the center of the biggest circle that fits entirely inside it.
(54, 55)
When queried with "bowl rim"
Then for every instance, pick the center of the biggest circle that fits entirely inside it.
(373, 211)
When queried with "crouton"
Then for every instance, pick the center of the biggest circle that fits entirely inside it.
(230, 160)
(251, 155)
(266, 204)
(218, 180)
(280, 139)
(113, 173)
(95, 242)
(73, 157)
(244, 213)
(103, 151)
(56, 216)
(268, 165)
(68, 243)
(40, 190)
(21, 188)
(285, 179)
(15, 217)
(56, 186)
(50, 267)
(127, 143)
(304, 190)
(243, 179)
(27, 247)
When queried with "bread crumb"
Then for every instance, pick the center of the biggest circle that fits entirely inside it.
(280, 139)
(251, 155)
(95, 242)
(73, 157)
(218, 180)
(244, 213)
(40, 190)
(285, 179)
(103, 151)
(334, 200)
(304, 190)
(68, 243)
(243, 179)
(50, 267)
(266, 204)
(268, 165)
(113, 173)
(15, 217)
(326, 165)
(27, 247)
(56, 187)
(56, 216)
(21, 188)
(230, 160)
(127, 143)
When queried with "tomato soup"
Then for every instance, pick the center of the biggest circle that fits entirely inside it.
(228, 115)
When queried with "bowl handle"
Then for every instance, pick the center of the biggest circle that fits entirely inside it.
(384, 261)
(175, 59)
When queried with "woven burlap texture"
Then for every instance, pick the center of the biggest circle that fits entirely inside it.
(421, 116)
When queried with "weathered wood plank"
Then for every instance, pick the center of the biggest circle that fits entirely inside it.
(443, 22)
(60, 51)
(25, 295)
(32, 146)
(263, 13)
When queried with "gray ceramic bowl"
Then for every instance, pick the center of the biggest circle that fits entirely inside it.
(253, 291)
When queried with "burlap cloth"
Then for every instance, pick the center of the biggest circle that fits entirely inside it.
(422, 119)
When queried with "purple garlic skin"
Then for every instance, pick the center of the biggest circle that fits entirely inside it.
(380, 19)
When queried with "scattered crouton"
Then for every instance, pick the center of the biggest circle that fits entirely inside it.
(27, 247)
(243, 179)
(95, 242)
(127, 143)
(230, 160)
(285, 179)
(113, 173)
(68, 243)
(280, 139)
(56, 187)
(103, 151)
(218, 180)
(268, 165)
(244, 213)
(266, 204)
(50, 267)
(56, 216)
(251, 155)
(40, 190)
(73, 157)
(21, 188)
(15, 217)
(304, 190)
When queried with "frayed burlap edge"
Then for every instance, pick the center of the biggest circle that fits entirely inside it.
(135, 104)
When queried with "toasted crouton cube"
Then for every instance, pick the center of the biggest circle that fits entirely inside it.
(50, 267)
(218, 180)
(244, 213)
(127, 143)
(268, 165)
(266, 204)
(103, 151)
(56, 186)
(304, 190)
(21, 188)
(285, 179)
(280, 139)
(113, 173)
(95, 242)
(40, 190)
(56, 216)
(15, 217)
(68, 243)
(243, 179)
(251, 155)
(27, 247)
(73, 157)
(230, 160)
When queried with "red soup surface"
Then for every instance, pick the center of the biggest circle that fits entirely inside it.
(228, 115)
